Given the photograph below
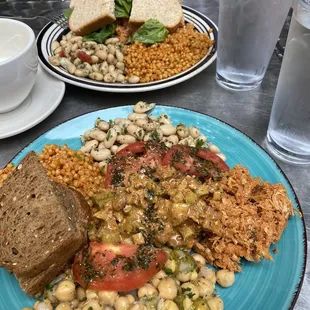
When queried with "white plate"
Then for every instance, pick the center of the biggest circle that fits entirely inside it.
(52, 32)
(43, 99)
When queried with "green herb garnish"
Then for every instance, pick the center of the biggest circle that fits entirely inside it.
(67, 13)
(152, 31)
(168, 271)
(49, 287)
(199, 143)
(122, 8)
(100, 36)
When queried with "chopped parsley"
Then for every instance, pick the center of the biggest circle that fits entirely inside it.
(49, 287)
(108, 135)
(168, 271)
(90, 227)
(154, 136)
(199, 143)
(111, 123)
(188, 292)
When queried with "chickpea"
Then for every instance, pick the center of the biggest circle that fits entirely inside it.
(90, 294)
(171, 264)
(167, 288)
(138, 307)
(199, 259)
(183, 276)
(208, 274)
(205, 287)
(225, 278)
(63, 306)
(81, 293)
(158, 277)
(215, 303)
(122, 303)
(43, 305)
(108, 297)
(190, 288)
(168, 305)
(147, 290)
(93, 304)
(65, 291)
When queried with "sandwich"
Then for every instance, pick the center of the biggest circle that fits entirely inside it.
(42, 225)
(89, 16)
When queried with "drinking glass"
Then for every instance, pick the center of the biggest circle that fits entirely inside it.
(288, 133)
(248, 33)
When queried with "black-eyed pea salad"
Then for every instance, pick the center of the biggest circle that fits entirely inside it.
(99, 62)
(109, 137)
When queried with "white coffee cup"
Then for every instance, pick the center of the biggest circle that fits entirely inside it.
(18, 63)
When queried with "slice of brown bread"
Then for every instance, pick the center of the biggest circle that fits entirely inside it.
(90, 16)
(40, 221)
(34, 286)
(167, 12)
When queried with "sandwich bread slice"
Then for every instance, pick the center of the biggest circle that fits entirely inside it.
(90, 15)
(42, 225)
(167, 12)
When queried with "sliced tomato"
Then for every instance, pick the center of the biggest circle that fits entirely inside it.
(191, 161)
(131, 159)
(117, 267)
(207, 155)
(62, 53)
(84, 57)
(132, 149)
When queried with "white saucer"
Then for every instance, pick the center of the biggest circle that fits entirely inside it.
(44, 98)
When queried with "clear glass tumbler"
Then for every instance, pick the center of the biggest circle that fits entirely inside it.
(248, 33)
(288, 133)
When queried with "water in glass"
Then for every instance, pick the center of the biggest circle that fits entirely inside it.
(248, 32)
(289, 126)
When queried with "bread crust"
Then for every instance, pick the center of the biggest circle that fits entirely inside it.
(92, 26)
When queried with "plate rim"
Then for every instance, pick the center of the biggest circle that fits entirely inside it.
(136, 87)
(45, 115)
(305, 239)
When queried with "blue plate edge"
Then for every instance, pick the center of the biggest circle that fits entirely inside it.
(305, 239)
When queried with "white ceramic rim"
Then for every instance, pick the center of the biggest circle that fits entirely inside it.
(29, 44)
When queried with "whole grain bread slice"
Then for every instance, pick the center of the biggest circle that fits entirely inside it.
(34, 286)
(167, 12)
(89, 16)
(38, 221)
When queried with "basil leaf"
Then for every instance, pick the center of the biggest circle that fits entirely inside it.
(152, 31)
(122, 8)
(67, 13)
(100, 36)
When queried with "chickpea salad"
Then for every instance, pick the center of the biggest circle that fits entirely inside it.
(112, 55)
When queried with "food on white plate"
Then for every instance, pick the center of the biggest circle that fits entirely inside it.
(156, 191)
(43, 224)
(136, 48)
(168, 12)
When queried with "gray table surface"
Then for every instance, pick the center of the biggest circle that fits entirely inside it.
(247, 111)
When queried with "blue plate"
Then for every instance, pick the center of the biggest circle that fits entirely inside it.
(265, 285)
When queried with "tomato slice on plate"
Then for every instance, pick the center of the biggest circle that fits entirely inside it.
(189, 160)
(131, 159)
(207, 155)
(117, 267)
